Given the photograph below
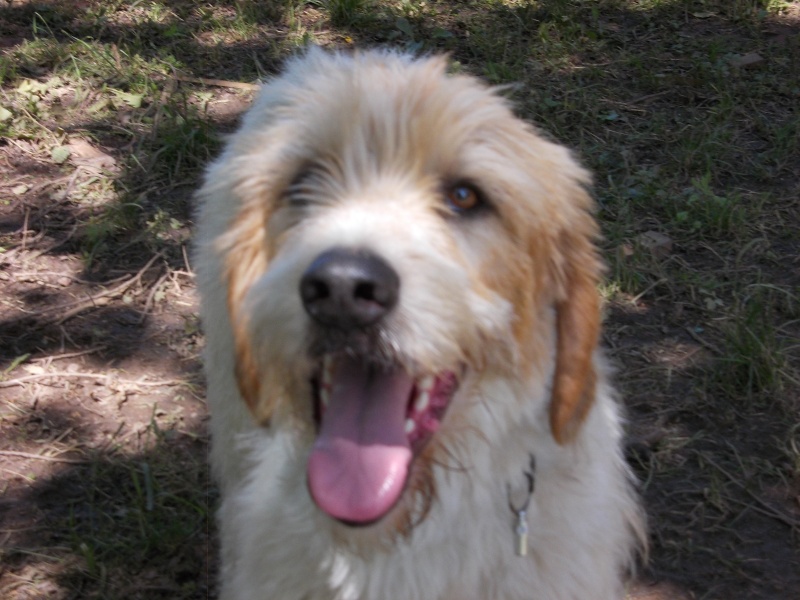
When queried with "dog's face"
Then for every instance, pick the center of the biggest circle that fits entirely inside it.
(400, 237)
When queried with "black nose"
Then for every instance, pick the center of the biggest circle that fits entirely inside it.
(347, 289)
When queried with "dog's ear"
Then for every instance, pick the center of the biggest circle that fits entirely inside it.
(246, 260)
(563, 238)
(577, 330)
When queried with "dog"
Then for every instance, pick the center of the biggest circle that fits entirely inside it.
(398, 281)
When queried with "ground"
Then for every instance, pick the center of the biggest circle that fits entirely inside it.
(685, 110)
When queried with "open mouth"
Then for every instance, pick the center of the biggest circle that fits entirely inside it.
(372, 421)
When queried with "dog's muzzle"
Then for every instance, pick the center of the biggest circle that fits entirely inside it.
(373, 416)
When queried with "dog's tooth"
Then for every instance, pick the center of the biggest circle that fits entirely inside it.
(422, 401)
(426, 383)
(410, 426)
(324, 395)
(327, 370)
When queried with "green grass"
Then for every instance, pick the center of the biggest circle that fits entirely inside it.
(133, 512)
(756, 359)
(345, 12)
(681, 141)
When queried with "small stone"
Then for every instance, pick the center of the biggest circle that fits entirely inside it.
(657, 244)
(747, 61)
(625, 250)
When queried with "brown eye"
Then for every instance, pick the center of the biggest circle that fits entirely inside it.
(463, 198)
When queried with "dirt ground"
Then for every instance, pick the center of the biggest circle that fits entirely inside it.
(104, 488)
(111, 381)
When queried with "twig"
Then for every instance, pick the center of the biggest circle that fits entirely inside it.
(219, 82)
(109, 378)
(649, 97)
(148, 305)
(649, 288)
(704, 343)
(770, 510)
(81, 305)
(71, 461)
(176, 284)
(68, 355)
(25, 228)
(186, 258)
(92, 300)
(52, 247)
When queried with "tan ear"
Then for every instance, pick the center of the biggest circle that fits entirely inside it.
(577, 330)
(245, 262)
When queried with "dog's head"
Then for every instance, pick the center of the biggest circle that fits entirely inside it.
(398, 235)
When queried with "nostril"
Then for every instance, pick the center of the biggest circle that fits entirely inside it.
(365, 291)
(312, 290)
(383, 295)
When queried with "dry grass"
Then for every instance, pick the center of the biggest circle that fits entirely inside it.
(108, 110)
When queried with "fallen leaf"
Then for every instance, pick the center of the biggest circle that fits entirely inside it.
(83, 153)
(98, 106)
(60, 154)
(132, 100)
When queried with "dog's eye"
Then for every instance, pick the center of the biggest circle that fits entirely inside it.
(297, 192)
(463, 198)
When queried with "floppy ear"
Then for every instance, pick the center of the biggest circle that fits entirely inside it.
(564, 234)
(577, 330)
(245, 261)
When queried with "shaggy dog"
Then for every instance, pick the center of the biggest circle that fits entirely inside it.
(398, 280)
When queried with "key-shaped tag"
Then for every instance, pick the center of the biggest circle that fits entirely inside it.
(521, 512)
(522, 533)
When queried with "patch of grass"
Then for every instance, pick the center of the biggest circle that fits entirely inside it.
(262, 11)
(681, 141)
(345, 12)
(792, 449)
(91, 84)
(702, 212)
(133, 512)
(748, 10)
(755, 361)
(632, 271)
(105, 225)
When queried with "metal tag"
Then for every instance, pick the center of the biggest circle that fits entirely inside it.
(522, 533)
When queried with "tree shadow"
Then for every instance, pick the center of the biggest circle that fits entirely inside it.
(713, 468)
(114, 522)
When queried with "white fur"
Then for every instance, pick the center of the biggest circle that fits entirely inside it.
(584, 519)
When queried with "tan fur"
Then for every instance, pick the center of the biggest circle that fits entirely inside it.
(246, 261)
(578, 328)
(358, 151)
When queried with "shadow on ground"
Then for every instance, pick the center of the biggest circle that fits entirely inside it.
(102, 432)
(114, 523)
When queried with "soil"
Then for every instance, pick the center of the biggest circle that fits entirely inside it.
(112, 353)
(101, 385)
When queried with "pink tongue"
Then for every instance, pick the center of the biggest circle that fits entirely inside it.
(359, 463)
